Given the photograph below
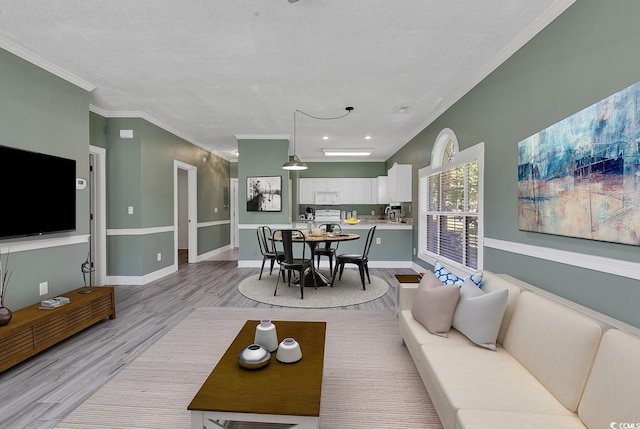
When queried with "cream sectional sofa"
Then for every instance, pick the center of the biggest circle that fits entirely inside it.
(557, 365)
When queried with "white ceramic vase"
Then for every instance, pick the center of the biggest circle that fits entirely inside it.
(289, 351)
(266, 335)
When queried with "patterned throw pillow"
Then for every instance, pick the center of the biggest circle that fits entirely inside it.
(448, 278)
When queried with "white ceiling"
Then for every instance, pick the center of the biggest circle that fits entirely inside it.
(212, 70)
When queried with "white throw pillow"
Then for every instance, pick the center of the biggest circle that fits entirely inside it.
(479, 315)
(448, 278)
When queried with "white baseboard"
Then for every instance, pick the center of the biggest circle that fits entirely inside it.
(213, 252)
(141, 280)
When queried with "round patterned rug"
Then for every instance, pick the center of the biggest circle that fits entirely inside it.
(347, 291)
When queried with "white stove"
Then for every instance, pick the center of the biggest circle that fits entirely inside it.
(327, 216)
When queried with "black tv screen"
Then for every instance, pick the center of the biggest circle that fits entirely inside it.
(38, 193)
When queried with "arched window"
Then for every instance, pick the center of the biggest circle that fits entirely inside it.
(445, 149)
(450, 198)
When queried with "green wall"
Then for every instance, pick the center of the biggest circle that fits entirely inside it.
(43, 113)
(586, 54)
(140, 174)
(260, 157)
(344, 169)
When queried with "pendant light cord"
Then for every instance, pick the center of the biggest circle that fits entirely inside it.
(348, 109)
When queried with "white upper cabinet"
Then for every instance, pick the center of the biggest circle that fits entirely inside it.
(306, 191)
(399, 183)
(383, 198)
(353, 190)
(327, 185)
(346, 190)
(361, 191)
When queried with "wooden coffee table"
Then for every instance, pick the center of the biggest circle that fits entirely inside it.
(277, 393)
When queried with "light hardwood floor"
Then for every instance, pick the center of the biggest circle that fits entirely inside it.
(41, 391)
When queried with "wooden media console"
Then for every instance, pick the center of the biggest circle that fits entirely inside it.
(33, 330)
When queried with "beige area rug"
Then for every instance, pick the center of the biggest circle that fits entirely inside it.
(347, 291)
(369, 378)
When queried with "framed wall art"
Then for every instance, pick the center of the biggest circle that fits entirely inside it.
(264, 194)
(581, 176)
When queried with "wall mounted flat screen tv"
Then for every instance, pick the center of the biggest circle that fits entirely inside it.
(37, 193)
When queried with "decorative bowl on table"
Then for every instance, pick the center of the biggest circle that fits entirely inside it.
(254, 356)
(352, 221)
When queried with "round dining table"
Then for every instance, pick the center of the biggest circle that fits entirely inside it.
(313, 241)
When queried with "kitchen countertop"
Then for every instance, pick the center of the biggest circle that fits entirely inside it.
(365, 224)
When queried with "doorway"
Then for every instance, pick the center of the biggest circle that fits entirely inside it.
(233, 214)
(185, 208)
(97, 256)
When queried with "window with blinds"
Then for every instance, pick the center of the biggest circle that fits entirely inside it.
(449, 216)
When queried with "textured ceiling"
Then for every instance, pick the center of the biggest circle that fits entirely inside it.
(210, 70)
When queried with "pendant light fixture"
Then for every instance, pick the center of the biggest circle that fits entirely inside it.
(294, 162)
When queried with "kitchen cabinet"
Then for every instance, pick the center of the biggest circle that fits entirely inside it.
(383, 198)
(327, 185)
(362, 191)
(374, 190)
(399, 183)
(306, 191)
(346, 191)
(352, 190)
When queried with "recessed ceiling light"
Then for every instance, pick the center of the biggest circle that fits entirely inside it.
(347, 152)
(367, 137)
(325, 137)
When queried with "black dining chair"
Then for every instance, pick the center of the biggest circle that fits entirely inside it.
(267, 248)
(328, 250)
(290, 262)
(362, 261)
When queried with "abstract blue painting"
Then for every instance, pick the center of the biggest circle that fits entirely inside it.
(581, 176)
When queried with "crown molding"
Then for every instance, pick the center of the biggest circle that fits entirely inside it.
(46, 65)
(549, 15)
(157, 122)
(262, 136)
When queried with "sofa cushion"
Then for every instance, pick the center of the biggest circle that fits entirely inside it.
(434, 304)
(479, 314)
(492, 282)
(613, 390)
(412, 331)
(448, 278)
(556, 344)
(489, 419)
(472, 377)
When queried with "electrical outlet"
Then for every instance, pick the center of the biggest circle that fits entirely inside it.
(44, 288)
(159, 256)
(373, 212)
(378, 240)
(130, 209)
(414, 250)
(215, 209)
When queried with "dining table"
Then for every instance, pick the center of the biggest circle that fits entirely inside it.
(313, 239)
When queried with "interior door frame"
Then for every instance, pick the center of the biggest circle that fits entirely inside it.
(233, 214)
(192, 210)
(98, 209)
